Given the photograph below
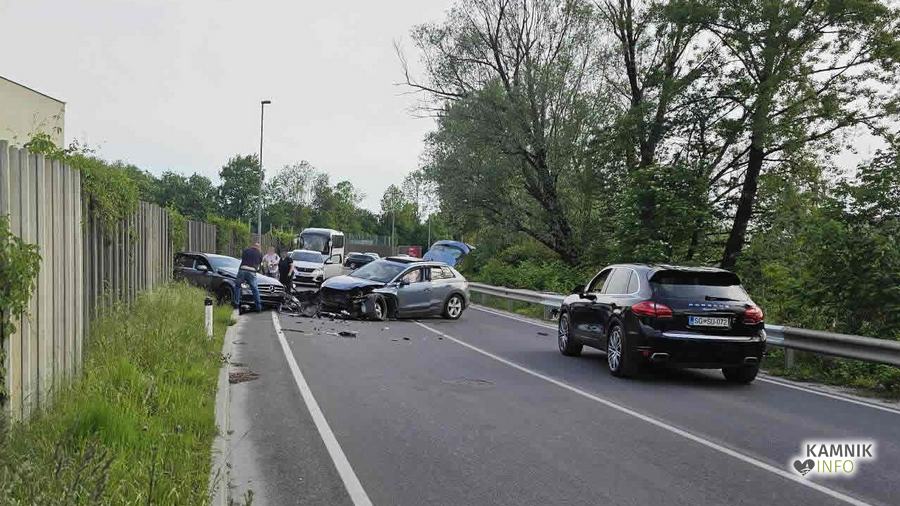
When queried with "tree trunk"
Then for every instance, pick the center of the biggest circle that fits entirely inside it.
(745, 206)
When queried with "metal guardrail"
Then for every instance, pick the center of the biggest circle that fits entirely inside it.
(868, 349)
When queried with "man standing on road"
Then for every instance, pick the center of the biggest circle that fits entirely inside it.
(286, 272)
(251, 259)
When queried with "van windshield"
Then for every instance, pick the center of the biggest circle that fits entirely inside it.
(307, 256)
(315, 242)
(723, 286)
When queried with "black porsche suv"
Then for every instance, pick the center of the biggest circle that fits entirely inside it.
(695, 317)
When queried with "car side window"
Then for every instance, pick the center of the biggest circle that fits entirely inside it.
(202, 261)
(633, 284)
(184, 262)
(413, 276)
(597, 284)
(618, 282)
(448, 274)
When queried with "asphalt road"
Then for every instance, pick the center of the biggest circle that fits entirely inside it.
(484, 410)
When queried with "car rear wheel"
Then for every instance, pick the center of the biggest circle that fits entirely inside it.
(743, 374)
(568, 345)
(620, 361)
(453, 308)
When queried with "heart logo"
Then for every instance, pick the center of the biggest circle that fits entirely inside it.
(805, 466)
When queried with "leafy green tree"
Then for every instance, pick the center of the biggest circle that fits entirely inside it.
(238, 195)
(193, 197)
(801, 71)
(509, 83)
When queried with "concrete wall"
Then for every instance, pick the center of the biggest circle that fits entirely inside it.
(24, 112)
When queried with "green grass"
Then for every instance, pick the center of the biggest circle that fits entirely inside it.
(137, 427)
(515, 306)
(873, 380)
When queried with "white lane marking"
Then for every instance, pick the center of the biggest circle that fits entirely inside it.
(767, 380)
(831, 395)
(512, 317)
(351, 482)
(658, 423)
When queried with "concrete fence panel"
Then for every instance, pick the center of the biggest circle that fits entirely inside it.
(86, 266)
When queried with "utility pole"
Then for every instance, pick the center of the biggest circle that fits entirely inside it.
(262, 174)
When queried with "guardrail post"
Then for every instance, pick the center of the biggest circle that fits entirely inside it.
(788, 358)
(509, 305)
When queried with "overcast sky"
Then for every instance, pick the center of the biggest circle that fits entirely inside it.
(176, 85)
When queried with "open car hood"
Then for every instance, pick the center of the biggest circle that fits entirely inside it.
(349, 282)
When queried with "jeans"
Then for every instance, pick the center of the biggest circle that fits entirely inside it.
(248, 277)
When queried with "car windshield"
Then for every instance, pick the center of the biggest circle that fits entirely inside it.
(698, 286)
(315, 242)
(223, 262)
(379, 270)
(307, 256)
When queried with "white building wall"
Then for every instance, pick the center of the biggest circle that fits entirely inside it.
(25, 112)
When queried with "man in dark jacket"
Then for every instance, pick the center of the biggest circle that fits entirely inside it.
(286, 272)
(251, 258)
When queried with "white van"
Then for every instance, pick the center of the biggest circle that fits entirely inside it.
(328, 242)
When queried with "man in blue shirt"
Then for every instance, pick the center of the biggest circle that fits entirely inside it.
(251, 258)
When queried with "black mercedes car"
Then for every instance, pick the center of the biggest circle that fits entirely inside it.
(695, 317)
(217, 274)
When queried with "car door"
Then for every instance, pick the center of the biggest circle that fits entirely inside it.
(440, 287)
(608, 303)
(184, 269)
(205, 275)
(414, 292)
(334, 266)
(581, 309)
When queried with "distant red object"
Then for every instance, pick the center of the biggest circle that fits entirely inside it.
(413, 251)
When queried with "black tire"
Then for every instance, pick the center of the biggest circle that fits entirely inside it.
(567, 343)
(225, 295)
(454, 306)
(379, 309)
(742, 374)
(621, 362)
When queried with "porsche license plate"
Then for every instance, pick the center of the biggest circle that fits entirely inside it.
(708, 321)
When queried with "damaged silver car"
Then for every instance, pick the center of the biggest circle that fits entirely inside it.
(397, 287)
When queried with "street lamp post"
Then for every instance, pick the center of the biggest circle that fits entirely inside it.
(262, 174)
